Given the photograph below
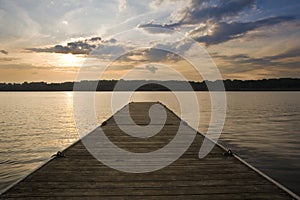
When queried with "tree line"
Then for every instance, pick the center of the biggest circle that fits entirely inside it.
(281, 84)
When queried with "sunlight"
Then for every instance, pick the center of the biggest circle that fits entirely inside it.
(69, 94)
(70, 60)
(69, 98)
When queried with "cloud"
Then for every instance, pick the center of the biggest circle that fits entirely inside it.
(202, 10)
(213, 21)
(94, 47)
(151, 68)
(4, 52)
(144, 55)
(199, 11)
(8, 59)
(149, 55)
(291, 53)
(156, 54)
(223, 32)
(108, 49)
(175, 48)
(84, 47)
(158, 28)
(241, 61)
(24, 66)
(243, 66)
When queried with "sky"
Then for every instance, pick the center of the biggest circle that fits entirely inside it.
(58, 41)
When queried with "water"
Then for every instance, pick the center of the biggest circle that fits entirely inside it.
(261, 127)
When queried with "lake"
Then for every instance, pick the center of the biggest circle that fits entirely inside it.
(261, 127)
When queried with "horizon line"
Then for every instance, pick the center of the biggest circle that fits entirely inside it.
(78, 81)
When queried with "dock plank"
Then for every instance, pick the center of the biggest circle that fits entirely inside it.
(80, 176)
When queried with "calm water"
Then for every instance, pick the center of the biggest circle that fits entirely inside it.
(261, 127)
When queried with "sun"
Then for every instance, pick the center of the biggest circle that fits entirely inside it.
(70, 60)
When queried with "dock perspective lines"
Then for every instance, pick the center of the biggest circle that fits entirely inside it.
(78, 175)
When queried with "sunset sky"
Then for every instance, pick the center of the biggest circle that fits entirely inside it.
(51, 40)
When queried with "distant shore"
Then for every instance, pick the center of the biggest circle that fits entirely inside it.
(281, 84)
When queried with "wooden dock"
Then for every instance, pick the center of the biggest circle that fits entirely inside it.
(79, 175)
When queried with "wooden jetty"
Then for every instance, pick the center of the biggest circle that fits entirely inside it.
(79, 175)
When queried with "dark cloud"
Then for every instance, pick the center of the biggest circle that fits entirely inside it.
(158, 55)
(175, 48)
(112, 40)
(108, 49)
(94, 39)
(223, 32)
(158, 28)
(4, 52)
(83, 47)
(154, 54)
(200, 11)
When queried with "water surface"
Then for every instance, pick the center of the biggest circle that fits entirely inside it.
(261, 127)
